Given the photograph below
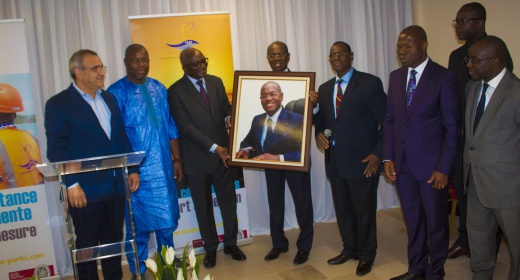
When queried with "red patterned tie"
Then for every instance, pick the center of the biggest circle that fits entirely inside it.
(203, 93)
(339, 96)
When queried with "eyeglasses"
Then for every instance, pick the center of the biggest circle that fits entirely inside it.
(474, 60)
(198, 64)
(338, 55)
(463, 21)
(272, 95)
(96, 68)
(142, 60)
(277, 56)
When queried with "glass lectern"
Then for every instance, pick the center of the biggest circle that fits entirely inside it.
(119, 163)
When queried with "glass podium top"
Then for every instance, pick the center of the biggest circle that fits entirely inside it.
(90, 164)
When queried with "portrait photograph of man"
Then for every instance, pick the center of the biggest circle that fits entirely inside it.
(270, 123)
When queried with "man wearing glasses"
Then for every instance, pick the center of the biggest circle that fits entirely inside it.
(84, 121)
(352, 107)
(201, 109)
(491, 157)
(150, 127)
(470, 26)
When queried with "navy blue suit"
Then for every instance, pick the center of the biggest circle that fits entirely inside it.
(356, 135)
(74, 132)
(287, 141)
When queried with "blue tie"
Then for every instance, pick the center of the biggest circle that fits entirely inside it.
(268, 134)
(480, 107)
(411, 88)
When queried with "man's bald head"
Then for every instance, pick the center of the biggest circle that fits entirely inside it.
(486, 58)
(476, 8)
(412, 45)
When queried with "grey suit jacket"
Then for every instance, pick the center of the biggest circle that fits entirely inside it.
(199, 127)
(494, 150)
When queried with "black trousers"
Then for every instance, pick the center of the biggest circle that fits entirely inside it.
(300, 187)
(200, 186)
(96, 224)
(355, 203)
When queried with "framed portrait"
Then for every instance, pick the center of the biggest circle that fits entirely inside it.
(271, 120)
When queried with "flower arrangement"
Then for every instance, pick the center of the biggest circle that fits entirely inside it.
(166, 270)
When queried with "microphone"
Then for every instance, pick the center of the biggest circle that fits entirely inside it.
(328, 133)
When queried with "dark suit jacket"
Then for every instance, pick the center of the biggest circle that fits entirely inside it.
(429, 129)
(356, 129)
(199, 127)
(286, 139)
(74, 132)
(493, 150)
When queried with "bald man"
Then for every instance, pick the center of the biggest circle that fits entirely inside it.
(492, 156)
(421, 130)
(201, 110)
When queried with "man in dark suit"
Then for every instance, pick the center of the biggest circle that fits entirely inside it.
(275, 134)
(84, 121)
(421, 131)
(492, 156)
(299, 183)
(352, 106)
(201, 110)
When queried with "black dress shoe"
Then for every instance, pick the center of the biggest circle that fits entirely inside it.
(235, 253)
(275, 253)
(210, 259)
(340, 259)
(408, 276)
(301, 257)
(456, 251)
(363, 268)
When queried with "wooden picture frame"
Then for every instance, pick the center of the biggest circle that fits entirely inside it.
(290, 138)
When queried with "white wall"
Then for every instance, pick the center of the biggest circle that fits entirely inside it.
(436, 18)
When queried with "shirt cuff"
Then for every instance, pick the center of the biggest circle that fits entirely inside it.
(213, 148)
(316, 110)
(73, 185)
(282, 158)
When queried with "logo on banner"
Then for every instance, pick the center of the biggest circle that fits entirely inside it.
(186, 43)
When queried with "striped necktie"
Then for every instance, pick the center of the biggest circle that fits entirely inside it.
(339, 96)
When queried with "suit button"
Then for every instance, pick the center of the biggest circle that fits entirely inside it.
(404, 126)
(471, 148)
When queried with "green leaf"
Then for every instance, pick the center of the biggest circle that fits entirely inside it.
(168, 274)
(160, 265)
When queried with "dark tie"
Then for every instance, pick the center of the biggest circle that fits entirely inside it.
(411, 88)
(480, 107)
(268, 134)
(339, 96)
(203, 93)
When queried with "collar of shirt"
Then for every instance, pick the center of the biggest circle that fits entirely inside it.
(99, 108)
(138, 85)
(493, 83)
(419, 69)
(345, 78)
(84, 94)
(274, 117)
(194, 82)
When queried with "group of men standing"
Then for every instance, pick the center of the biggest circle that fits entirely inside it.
(415, 131)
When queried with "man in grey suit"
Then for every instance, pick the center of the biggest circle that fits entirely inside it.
(201, 109)
(492, 156)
